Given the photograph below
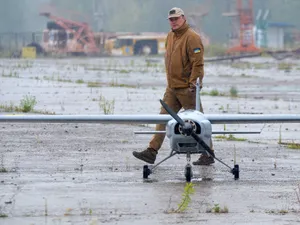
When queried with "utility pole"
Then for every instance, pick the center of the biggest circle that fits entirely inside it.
(233, 15)
(98, 15)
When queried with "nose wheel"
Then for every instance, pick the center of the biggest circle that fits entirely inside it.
(146, 172)
(236, 172)
(188, 173)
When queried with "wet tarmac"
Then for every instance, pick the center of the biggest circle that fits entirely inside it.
(86, 174)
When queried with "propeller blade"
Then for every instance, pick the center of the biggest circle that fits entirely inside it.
(202, 143)
(172, 113)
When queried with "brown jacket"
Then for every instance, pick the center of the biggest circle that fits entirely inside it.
(184, 57)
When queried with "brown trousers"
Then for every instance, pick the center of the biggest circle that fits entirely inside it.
(175, 98)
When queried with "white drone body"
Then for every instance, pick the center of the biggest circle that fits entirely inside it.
(182, 143)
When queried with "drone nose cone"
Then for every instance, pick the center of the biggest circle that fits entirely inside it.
(187, 129)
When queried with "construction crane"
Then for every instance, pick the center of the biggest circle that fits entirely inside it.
(246, 33)
(67, 36)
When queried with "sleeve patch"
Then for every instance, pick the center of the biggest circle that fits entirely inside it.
(197, 50)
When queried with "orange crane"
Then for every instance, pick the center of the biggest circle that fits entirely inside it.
(69, 36)
(246, 36)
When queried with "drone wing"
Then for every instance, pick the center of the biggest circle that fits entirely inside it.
(141, 119)
(151, 119)
(245, 118)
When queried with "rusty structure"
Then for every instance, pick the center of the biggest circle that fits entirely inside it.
(66, 36)
(244, 17)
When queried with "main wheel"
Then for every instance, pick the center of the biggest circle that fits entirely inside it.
(146, 172)
(236, 172)
(188, 173)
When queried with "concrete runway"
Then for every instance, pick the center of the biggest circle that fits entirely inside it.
(86, 174)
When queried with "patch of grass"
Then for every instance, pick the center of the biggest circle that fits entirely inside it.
(79, 81)
(204, 93)
(233, 92)
(284, 66)
(11, 74)
(12, 108)
(107, 106)
(27, 103)
(2, 215)
(3, 170)
(124, 71)
(9, 108)
(214, 92)
(94, 84)
(295, 146)
(218, 209)
(280, 136)
(64, 80)
(277, 212)
(221, 137)
(114, 83)
(231, 137)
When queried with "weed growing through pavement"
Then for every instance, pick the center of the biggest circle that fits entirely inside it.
(106, 105)
(233, 92)
(27, 103)
(186, 199)
(218, 209)
(280, 137)
(2, 168)
(231, 137)
(214, 92)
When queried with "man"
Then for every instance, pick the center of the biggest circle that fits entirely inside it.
(184, 64)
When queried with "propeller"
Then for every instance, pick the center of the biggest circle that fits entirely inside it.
(187, 128)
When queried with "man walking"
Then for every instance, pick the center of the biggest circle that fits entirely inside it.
(184, 64)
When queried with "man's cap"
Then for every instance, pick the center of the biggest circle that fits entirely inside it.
(175, 12)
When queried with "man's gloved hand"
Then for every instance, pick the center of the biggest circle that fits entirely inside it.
(192, 87)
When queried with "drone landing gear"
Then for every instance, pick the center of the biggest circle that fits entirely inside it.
(236, 172)
(188, 168)
(146, 172)
(188, 173)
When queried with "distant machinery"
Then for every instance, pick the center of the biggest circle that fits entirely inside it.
(243, 16)
(68, 36)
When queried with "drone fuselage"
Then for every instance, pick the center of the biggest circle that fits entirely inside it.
(182, 143)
